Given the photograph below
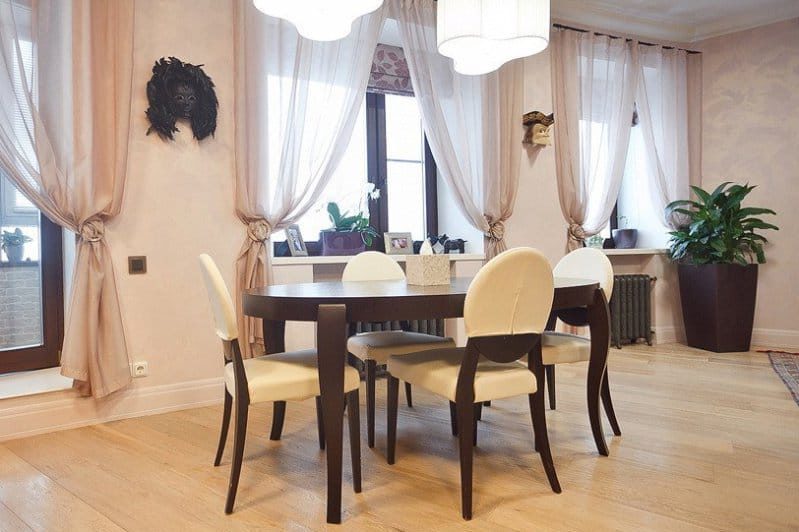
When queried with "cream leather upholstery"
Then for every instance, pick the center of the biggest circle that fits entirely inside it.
(437, 371)
(221, 303)
(378, 346)
(512, 294)
(561, 348)
(587, 263)
(285, 377)
(372, 266)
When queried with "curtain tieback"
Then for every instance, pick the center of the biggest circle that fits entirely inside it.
(92, 230)
(576, 232)
(259, 230)
(496, 230)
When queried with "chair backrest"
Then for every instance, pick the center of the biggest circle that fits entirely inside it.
(588, 263)
(372, 266)
(510, 295)
(221, 303)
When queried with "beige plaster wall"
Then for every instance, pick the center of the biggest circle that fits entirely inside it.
(751, 134)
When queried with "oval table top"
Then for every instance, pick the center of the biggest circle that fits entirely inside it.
(386, 300)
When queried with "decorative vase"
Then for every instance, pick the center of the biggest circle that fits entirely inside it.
(14, 253)
(625, 238)
(341, 243)
(718, 305)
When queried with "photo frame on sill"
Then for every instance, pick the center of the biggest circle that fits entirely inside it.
(295, 242)
(398, 243)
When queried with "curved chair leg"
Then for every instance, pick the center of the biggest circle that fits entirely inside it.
(466, 431)
(478, 414)
(408, 397)
(371, 369)
(542, 438)
(608, 404)
(354, 420)
(279, 415)
(453, 418)
(550, 377)
(226, 408)
(391, 410)
(320, 422)
(240, 434)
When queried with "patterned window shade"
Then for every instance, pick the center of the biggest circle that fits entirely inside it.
(390, 71)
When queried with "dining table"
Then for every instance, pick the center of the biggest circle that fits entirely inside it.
(333, 305)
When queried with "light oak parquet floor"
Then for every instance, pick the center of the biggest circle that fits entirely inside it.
(711, 442)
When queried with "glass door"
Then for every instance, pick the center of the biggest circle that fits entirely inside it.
(31, 284)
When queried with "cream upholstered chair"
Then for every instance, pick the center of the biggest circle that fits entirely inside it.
(560, 348)
(279, 377)
(505, 312)
(374, 348)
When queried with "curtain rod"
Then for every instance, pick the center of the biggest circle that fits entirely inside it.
(582, 30)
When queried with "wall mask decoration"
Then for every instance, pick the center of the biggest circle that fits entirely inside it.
(538, 127)
(181, 91)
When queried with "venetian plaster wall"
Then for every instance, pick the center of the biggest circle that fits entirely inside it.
(751, 134)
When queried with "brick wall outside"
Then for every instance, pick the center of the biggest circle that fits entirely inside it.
(20, 306)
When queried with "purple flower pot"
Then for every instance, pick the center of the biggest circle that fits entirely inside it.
(341, 243)
(625, 238)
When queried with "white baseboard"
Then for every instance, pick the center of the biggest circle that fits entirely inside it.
(785, 338)
(68, 410)
(668, 334)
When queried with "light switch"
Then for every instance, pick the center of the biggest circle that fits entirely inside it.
(137, 265)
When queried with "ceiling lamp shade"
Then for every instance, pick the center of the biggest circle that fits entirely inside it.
(482, 35)
(319, 20)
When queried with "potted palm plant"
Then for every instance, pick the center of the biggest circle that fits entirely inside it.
(13, 244)
(718, 250)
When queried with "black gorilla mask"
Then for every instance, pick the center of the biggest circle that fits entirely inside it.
(181, 91)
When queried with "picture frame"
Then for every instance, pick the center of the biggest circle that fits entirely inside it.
(398, 243)
(295, 242)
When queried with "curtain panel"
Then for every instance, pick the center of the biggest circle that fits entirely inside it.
(593, 86)
(64, 134)
(472, 123)
(297, 101)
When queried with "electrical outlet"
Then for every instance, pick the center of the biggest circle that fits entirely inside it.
(139, 369)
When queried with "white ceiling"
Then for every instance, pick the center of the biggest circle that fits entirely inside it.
(674, 20)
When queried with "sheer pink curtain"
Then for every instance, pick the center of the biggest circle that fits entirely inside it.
(297, 101)
(63, 143)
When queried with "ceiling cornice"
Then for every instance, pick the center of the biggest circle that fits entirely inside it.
(604, 16)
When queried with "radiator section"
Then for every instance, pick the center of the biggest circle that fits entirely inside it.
(631, 309)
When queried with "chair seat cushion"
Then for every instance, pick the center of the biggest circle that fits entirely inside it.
(378, 346)
(437, 371)
(285, 377)
(561, 348)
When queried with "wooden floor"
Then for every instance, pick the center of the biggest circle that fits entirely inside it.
(710, 442)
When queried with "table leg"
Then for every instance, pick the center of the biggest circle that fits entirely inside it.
(331, 341)
(275, 342)
(599, 323)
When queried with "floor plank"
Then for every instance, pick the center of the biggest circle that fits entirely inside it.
(711, 442)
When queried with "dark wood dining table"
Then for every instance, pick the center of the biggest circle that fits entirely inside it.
(333, 305)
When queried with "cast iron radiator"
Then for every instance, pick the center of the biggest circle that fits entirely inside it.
(631, 309)
(435, 327)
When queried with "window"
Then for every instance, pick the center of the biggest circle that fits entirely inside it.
(31, 275)
(389, 151)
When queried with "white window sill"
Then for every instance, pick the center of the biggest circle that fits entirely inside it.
(291, 261)
(636, 251)
(33, 382)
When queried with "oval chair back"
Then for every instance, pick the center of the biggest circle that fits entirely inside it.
(588, 263)
(512, 294)
(372, 266)
(219, 297)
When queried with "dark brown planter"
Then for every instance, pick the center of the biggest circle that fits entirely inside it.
(718, 305)
(341, 243)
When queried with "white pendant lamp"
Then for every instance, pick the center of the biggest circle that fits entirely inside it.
(319, 20)
(482, 35)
